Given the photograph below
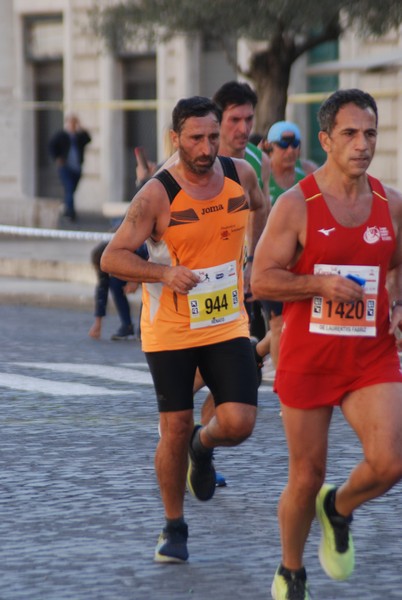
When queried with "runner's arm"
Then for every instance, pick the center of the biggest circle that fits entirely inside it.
(258, 214)
(265, 175)
(395, 206)
(148, 216)
(258, 204)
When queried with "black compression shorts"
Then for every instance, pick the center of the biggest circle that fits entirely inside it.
(228, 369)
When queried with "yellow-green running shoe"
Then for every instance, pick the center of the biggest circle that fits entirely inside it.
(336, 553)
(290, 585)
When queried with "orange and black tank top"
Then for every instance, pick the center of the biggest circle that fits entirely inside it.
(207, 236)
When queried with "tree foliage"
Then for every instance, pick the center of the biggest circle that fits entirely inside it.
(286, 28)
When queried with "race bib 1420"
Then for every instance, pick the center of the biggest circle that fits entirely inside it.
(347, 318)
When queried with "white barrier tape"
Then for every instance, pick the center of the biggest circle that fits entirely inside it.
(133, 105)
(56, 233)
(95, 104)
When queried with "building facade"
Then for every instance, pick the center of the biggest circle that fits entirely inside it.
(374, 65)
(51, 63)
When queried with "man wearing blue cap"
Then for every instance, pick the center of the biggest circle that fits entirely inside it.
(287, 168)
(283, 148)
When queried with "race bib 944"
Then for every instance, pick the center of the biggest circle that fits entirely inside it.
(215, 299)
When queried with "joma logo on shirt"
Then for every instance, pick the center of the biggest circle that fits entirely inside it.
(211, 209)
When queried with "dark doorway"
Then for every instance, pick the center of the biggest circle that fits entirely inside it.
(48, 87)
(139, 76)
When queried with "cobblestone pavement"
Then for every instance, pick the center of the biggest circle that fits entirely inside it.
(80, 510)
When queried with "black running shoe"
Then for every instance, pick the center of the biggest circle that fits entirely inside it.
(172, 545)
(201, 476)
(259, 361)
(123, 333)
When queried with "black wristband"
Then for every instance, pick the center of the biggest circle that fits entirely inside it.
(250, 258)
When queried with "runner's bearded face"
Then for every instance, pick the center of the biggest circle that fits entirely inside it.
(198, 143)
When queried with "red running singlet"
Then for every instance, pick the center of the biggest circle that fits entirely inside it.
(329, 349)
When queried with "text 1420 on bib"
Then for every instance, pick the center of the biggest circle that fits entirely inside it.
(347, 318)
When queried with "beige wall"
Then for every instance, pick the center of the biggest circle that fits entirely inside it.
(93, 81)
(385, 84)
(9, 164)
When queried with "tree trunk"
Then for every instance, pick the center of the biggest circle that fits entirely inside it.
(270, 73)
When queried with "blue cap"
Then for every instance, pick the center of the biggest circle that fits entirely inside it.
(277, 130)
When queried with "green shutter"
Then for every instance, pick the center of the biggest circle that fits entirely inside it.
(320, 83)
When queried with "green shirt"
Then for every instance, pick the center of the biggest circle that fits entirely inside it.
(254, 157)
(275, 190)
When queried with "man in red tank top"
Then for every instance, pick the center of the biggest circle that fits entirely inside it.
(325, 252)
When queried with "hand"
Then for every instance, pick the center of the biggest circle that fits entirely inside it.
(131, 287)
(143, 174)
(340, 289)
(180, 279)
(96, 329)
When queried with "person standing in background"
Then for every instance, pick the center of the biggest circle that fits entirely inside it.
(119, 290)
(66, 147)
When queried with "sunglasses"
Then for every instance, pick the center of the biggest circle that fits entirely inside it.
(288, 141)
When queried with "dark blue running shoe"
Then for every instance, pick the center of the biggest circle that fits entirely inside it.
(124, 332)
(220, 481)
(172, 545)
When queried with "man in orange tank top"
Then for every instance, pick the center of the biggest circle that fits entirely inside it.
(325, 252)
(193, 216)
